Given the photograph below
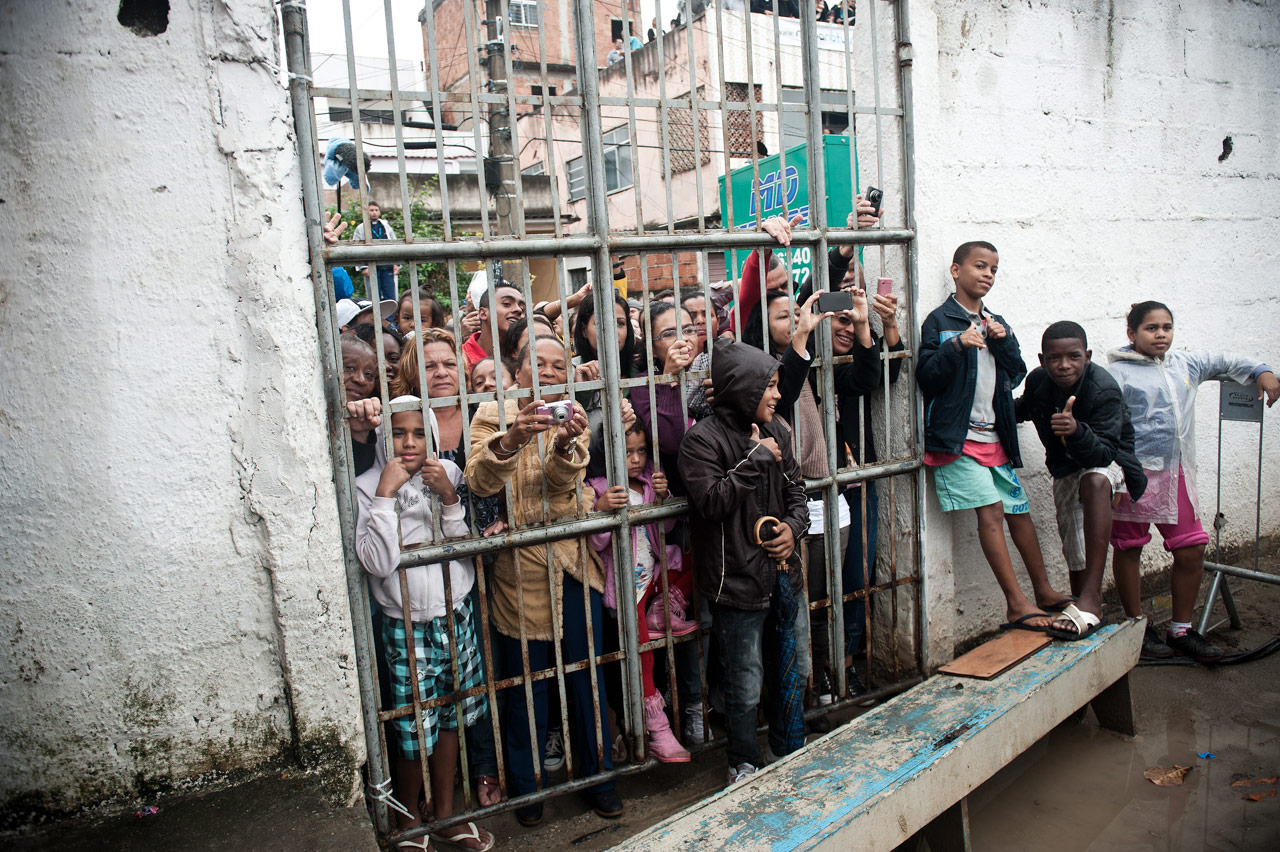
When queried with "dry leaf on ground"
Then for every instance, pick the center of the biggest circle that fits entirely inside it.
(1258, 797)
(1166, 776)
(1243, 782)
(1270, 780)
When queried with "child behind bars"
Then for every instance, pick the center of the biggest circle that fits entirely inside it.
(417, 485)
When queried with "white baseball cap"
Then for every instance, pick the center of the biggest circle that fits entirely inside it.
(346, 310)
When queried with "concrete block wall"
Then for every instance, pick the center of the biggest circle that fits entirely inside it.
(1086, 140)
(174, 597)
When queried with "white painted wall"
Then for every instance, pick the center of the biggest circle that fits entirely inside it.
(173, 587)
(1083, 139)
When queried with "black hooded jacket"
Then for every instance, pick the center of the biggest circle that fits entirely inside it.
(1104, 433)
(732, 482)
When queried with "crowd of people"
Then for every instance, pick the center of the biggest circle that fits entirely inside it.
(524, 447)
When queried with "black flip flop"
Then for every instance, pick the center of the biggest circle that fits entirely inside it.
(1021, 623)
(1061, 605)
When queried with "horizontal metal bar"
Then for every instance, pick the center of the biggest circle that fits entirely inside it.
(1243, 573)
(673, 508)
(377, 95)
(343, 93)
(862, 474)
(345, 254)
(751, 239)
(549, 790)
(738, 106)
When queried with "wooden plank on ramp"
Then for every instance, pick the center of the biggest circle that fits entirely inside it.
(991, 658)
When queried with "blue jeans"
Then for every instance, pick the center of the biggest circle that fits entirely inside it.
(577, 688)
(739, 635)
(855, 612)
(386, 283)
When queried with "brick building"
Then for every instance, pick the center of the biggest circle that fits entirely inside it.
(538, 31)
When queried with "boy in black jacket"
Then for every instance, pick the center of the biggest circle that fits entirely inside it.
(1079, 412)
(969, 365)
(738, 466)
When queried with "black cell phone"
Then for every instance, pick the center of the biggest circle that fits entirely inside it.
(841, 300)
(874, 197)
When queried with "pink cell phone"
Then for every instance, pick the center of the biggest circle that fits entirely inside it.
(884, 286)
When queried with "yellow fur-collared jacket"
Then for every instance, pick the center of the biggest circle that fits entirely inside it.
(486, 474)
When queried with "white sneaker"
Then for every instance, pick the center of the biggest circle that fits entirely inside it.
(743, 770)
(695, 727)
(554, 759)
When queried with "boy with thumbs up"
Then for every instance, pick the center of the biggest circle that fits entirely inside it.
(969, 365)
(1079, 412)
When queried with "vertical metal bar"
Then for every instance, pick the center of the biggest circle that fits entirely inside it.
(550, 161)
(913, 250)
(433, 84)
(365, 189)
(663, 128)
(632, 141)
(694, 114)
(610, 368)
(752, 150)
(397, 120)
(299, 64)
(470, 28)
(526, 678)
(513, 147)
(1257, 506)
(781, 107)
(726, 215)
(821, 274)
(875, 74)
(489, 674)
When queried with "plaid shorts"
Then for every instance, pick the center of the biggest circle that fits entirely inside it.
(1070, 510)
(435, 675)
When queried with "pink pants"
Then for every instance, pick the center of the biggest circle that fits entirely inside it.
(1187, 532)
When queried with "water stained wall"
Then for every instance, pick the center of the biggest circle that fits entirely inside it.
(173, 588)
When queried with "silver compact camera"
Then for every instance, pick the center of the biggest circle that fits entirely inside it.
(559, 412)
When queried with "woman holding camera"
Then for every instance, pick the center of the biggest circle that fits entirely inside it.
(554, 598)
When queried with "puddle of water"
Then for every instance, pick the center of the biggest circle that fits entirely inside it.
(1081, 788)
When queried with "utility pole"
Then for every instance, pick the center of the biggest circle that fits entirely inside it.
(500, 164)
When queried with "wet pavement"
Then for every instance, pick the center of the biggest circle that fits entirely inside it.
(1082, 788)
(1079, 788)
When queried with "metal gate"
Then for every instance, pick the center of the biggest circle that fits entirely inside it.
(581, 161)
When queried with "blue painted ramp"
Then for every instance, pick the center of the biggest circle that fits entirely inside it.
(874, 782)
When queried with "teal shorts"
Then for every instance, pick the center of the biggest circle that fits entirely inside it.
(966, 484)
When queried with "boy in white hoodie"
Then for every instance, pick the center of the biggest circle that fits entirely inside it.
(411, 481)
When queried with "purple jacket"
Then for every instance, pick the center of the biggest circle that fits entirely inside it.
(602, 542)
(672, 424)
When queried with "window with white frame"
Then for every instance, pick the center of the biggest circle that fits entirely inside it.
(617, 159)
(617, 165)
(576, 170)
(524, 13)
(538, 168)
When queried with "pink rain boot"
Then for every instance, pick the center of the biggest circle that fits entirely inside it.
(662, 743)
(657, 618)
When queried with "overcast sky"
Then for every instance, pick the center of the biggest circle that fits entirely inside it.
(369, 31)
